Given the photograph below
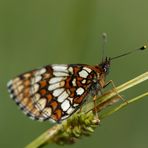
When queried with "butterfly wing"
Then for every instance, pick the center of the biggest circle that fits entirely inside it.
(52, 92)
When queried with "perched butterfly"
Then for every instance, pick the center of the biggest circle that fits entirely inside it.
(56, 91)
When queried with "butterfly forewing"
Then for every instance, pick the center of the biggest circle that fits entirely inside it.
(52, 92)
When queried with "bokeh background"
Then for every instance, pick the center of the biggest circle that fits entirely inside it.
(37, 33)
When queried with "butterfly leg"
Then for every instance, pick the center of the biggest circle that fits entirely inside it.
(114, 87)
(95, 110)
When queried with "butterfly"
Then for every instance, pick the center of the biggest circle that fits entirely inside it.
(54, 92)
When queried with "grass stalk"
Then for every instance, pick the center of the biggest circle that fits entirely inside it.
(64, 130)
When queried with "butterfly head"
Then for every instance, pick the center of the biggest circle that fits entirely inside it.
(105, 65)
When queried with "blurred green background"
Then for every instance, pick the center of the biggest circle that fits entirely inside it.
(36, 33)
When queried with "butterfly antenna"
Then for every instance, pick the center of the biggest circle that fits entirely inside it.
(104, 39)
(129, 52)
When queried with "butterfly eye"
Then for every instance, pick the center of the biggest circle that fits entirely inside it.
(105, 70)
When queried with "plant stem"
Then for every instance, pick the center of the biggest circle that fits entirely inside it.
(109, 98)
(104, 115)
(45, 137)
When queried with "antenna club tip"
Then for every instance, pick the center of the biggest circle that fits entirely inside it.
(143, 47)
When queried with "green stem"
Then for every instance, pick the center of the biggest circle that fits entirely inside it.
(104, 115)
(45, 137)
(104, 101)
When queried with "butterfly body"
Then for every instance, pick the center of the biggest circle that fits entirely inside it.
(56, 91)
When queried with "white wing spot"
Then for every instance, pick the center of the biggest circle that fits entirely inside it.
(47, 112)
(36, 79)
(60, 74)
(59, 68)
(43, 70)
(9, 83)
(87, 69)
(40, 71)
(65, 105)
(75, 105)
(64, 117)
(70, 69)
(52, 120)
(57, 92)
(80, 91)
(41, 119)
(62, 97)
(56, 79)
(40, 104)
(74, 82)
(84, 81)
(83, 74)
(34, 88)
(11, 96)
(56, 85)
(70, 110)
(36, 97)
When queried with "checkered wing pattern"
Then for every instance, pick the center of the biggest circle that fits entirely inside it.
(53, 92)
